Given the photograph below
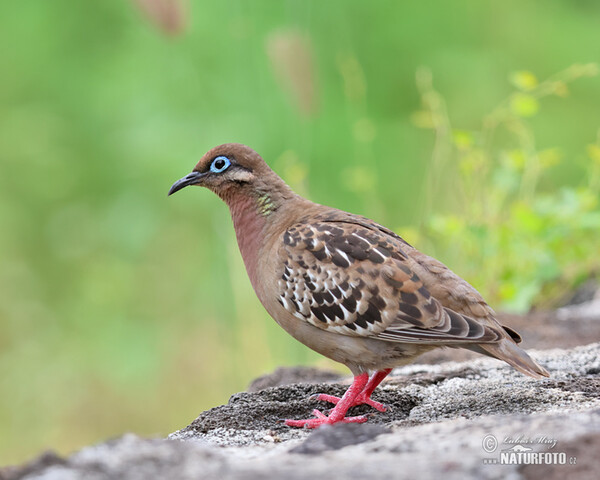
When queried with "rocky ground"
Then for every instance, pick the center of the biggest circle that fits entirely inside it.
(454, 414)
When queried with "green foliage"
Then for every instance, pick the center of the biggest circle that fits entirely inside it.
(519, 243)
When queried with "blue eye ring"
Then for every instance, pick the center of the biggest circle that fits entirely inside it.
(220, 164)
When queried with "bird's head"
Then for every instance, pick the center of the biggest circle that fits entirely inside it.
(231, 166)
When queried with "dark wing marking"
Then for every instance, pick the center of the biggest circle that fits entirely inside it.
(347, 278)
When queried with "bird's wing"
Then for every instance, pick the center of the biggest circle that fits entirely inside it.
(353, 279)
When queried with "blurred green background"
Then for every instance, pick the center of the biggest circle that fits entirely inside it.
(122, 310)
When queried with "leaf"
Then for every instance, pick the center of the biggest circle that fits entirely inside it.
(515, 160)
(524, 80)
(524, 105)
(462, 139)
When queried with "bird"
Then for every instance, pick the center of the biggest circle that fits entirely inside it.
(345, 286)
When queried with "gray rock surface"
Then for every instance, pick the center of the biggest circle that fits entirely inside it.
(440, 421)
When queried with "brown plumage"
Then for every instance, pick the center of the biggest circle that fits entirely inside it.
(345, 286)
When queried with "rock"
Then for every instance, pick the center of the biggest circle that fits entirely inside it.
(581, 448)
(133, 458)
(453, 420)
(46, 459)
(334, 437)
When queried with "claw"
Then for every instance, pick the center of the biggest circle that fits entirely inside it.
(376, 405)
(323, 397)
(317, 422)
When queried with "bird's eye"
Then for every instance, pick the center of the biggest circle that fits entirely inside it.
(219, 164)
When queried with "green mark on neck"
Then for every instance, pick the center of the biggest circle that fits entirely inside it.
(266, 206)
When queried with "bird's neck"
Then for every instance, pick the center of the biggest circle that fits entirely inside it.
(257, 218)
(249, 225)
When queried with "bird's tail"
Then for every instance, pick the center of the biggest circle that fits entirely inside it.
(508, 351)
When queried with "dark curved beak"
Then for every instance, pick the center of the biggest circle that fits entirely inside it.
(192, 179)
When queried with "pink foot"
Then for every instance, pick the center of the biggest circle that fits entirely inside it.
(322, 419)
(360, 400)
(364, 396)
(338, 414)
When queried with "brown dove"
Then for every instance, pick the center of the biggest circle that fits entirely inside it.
(345, 286)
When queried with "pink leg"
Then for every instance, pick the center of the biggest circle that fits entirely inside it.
(363, 397)
(338, 414)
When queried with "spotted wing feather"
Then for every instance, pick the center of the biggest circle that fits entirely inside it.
(355, 280)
